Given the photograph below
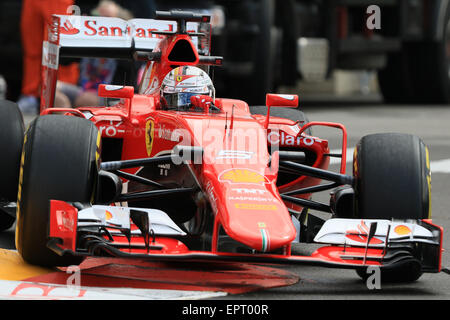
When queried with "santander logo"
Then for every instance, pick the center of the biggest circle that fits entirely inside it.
(105, 27)
(68, 28)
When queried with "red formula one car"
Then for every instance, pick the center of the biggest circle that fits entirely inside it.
(173, 172)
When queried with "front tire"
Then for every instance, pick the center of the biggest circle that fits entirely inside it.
(393, 181)
(393, 178)
(59, 161)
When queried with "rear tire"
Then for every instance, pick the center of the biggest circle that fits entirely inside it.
(11, 140)
(59, 161)
(392, 173)
(252, 44)
(420, 73)
(395, 80)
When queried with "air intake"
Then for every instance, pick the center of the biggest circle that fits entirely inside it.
(183, 52)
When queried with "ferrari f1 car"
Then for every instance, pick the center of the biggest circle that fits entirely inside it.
(224, 181)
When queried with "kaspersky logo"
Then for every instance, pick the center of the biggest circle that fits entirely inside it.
(68, 28)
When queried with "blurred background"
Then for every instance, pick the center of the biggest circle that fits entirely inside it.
(320, 49)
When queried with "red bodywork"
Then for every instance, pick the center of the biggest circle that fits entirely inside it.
(238, 175)
(263, 225)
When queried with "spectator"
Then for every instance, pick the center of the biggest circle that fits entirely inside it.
(93, 71)
(36, 14)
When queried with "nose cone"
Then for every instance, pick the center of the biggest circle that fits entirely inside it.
(256, 217)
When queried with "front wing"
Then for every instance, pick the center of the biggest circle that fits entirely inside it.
(151, 234)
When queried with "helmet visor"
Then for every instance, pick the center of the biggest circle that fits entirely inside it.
(178, 99)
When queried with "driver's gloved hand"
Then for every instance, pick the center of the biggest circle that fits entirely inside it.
(205, 102)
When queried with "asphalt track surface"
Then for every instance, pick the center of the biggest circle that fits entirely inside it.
(431, 123)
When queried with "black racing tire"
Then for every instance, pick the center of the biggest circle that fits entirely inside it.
(393, 181)
(394, 79)
(60, 162)
(251, 49)
(431, 66)
(282, 112)
(392, 177)
(420, 73)
(408, 272)
(11, 141)
(6, 221)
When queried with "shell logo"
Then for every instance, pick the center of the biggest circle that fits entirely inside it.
(402, 230)
(242, 176)
(108, 215)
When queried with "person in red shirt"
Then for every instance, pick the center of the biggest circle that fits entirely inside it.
(36, 14)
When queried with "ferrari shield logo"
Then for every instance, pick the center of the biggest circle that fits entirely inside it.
(149, 135)
(179, 78)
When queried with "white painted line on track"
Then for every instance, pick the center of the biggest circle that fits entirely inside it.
(23, 290)
(442, 166)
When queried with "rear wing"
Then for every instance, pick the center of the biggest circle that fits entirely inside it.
(105, 37)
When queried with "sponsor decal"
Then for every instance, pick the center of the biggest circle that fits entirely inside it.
(168, 134)
(242, 176)
(89, 26)
(108, 215)
(402, 230)
(361, 234)
(65, 220)
(149, 135)
(245, 198)
(209, 188)
(249, 191)
(282, 138)
(255, 206)
(50, 55)
(164, 169)
(112, 129)
(234, 154)
(68, 29)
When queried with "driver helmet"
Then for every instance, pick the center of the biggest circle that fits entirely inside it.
(181, 84)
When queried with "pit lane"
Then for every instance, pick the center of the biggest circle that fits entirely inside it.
(428, 122)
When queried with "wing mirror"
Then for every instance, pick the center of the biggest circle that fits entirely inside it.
(118, 92)
(279, 100)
